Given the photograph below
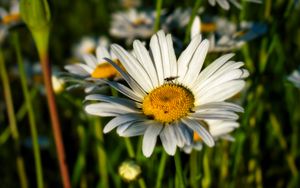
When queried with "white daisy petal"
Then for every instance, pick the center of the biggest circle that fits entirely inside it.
(221, 115)
(133, 84)
(122, 119)
(143, 56)
(222, 92)
(116, 100)
(168, 139)
(150, 137)
(133, 67)
(101, 53)
(186, 56)
(196, 27)
(90, 60)
(106, 109)
(196, 63)
(219, 105)
(135, 129)
(200, 130)
(79, 69)
(172, 56)
(156, 55)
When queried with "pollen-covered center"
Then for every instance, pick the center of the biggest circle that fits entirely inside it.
(168, 103)
(11, 18)
(105, 70)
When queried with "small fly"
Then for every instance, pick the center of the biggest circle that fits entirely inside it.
(171, 78)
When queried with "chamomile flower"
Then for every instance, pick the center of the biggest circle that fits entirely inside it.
(9, 18)
(169, 98)
(131, 24)
(218, 129)
(88, 45)
(295, 78)
(225, 4)
(226, 36)
(94, 67)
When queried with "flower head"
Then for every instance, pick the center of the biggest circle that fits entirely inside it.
(169, 97)
(129, 170)
(9, 18)
(132, 24)
(225, 36)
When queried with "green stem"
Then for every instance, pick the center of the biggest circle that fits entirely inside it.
(158, 12)
(56, 129)
(193, 169)
(178, 169)
(206, 181)
(102, 162)
(282, 142)
(129, 148)
(161, 169)
(33, 129)
(142, 183)
(188, 30)
(12, 122)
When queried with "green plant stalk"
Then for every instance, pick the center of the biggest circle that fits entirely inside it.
(142, 183)
(282, 142)
(161, 169)
(193, 169)
(102, 162)
(158, 12)
(42, 39)
(80, 161)
(5, 135)
(206, 181)
(12, 122)
(189, 26)
(129, 147)
(33, 129)
(179, 169)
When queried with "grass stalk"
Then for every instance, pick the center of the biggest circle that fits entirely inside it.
(12, 122)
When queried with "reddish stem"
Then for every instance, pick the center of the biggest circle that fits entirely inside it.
(55, 121)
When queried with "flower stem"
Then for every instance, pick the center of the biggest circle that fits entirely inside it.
(102, 162)
(161, 169)
(158, 12)
(178, 169)
(33, 129)
(194, 12)
(12, 122)
(129, 148)
(44, 59)
(193, 169)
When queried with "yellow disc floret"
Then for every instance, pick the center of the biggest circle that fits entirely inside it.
(168, 103)
(11, 18)
(105, 70)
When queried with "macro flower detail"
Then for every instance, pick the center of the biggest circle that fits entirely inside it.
(169, 98)
(219, 129)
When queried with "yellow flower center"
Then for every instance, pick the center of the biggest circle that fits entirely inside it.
(139, 21)
(10, 18)
(105, 70)
(168, 103)
(208, 27)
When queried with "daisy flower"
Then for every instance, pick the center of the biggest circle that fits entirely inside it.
(295, 78)
(225, 4)
(131, 24)
(226, 36)
(169, 98)
(94, 67)
(88, 45)
(218, 129)
(9, 18)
